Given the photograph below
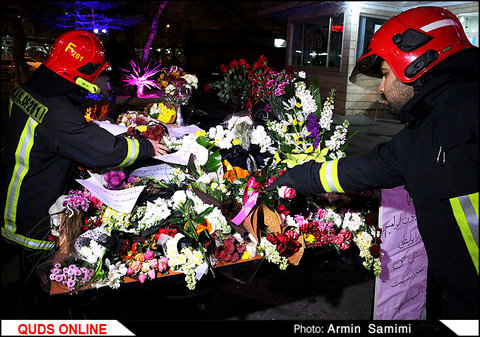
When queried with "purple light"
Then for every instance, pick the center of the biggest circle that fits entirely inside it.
(140, 77)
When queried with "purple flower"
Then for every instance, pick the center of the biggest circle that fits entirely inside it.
(315, 129)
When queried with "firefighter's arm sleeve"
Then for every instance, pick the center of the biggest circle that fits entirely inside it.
(93, 147)
(375, 169)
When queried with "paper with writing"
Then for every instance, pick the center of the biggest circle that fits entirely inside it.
(120, 200)
(161, 172)
(180, 131)
(400, 290)
(183, 154)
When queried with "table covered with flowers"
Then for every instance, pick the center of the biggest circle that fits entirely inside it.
(204, 206)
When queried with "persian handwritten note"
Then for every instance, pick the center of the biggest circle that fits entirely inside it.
(400, 290)
(120, 200)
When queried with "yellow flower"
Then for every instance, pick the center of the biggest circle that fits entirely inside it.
(309, 238)
(236, 141)
(246, 255)
(309, 149)
(141, 128)
(201, 133)
(277, 157)
(301, 123)
(298, 105)
(295, 122)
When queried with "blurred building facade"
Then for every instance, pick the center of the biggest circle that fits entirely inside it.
(325, 38)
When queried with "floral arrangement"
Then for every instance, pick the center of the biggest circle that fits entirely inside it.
(236, 84)
(176, 85)
(217, 211)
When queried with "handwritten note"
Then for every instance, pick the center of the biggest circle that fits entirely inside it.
(120, 200)
(183, 154)
(161, 172)
(400, 290)
(180, 131)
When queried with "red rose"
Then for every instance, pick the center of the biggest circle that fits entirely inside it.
(375, 250)
(206, 88)
(233, 64)
(242, 62)
(223, 68)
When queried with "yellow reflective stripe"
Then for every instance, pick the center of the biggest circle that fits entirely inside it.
(329, 177)
(28, 242)
(22, 161)
(133, 148)
(323, 178)
(465, 229)
(336, 182)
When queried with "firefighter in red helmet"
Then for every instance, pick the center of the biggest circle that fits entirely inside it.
(46, 133)
(429, 77)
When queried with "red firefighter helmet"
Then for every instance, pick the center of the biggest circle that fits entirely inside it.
(77, 54)
(412, 43)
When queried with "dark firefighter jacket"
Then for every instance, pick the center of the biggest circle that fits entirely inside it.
(435, 157)
(45, 135)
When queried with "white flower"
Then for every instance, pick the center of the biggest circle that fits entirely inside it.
(260, 137)
(234, 121)
(170, 89)
(191, 80)
(116, 272)
(93, 252)
(179, 198)
(302, 74)
(290, 104)
(155, 212)
(352, 221)
(218, 221)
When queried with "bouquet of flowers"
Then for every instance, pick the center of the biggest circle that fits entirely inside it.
(236, 86)
(176, 85)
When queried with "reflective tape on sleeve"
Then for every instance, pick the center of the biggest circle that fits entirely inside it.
(465, 210)
(329, 177)
(133, 148)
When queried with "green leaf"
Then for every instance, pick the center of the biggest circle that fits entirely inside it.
(214, 161)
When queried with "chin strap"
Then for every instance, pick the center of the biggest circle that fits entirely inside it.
(94, 89)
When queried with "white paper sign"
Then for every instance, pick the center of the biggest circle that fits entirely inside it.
(120, 200)
(114, 129)
(161, 172)
(183, 154)
(179, 132)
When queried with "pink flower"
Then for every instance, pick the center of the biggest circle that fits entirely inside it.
(136, 266)
(152, 274)
(129, 271)
(142, 278)
(286, 192)
(149, 255)
(153, 263)
(162, 264)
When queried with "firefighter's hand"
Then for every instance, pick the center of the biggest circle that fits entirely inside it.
(159, 148)
(303, 178)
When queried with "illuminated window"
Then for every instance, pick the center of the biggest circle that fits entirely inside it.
(318, 42)
(366, 28)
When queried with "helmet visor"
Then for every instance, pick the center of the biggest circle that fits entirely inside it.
(367, 73)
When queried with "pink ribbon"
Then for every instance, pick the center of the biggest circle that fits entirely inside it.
(249, 201)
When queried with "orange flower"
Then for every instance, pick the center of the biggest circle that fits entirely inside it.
(140, 257)
(200, 227)
(234, 172)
